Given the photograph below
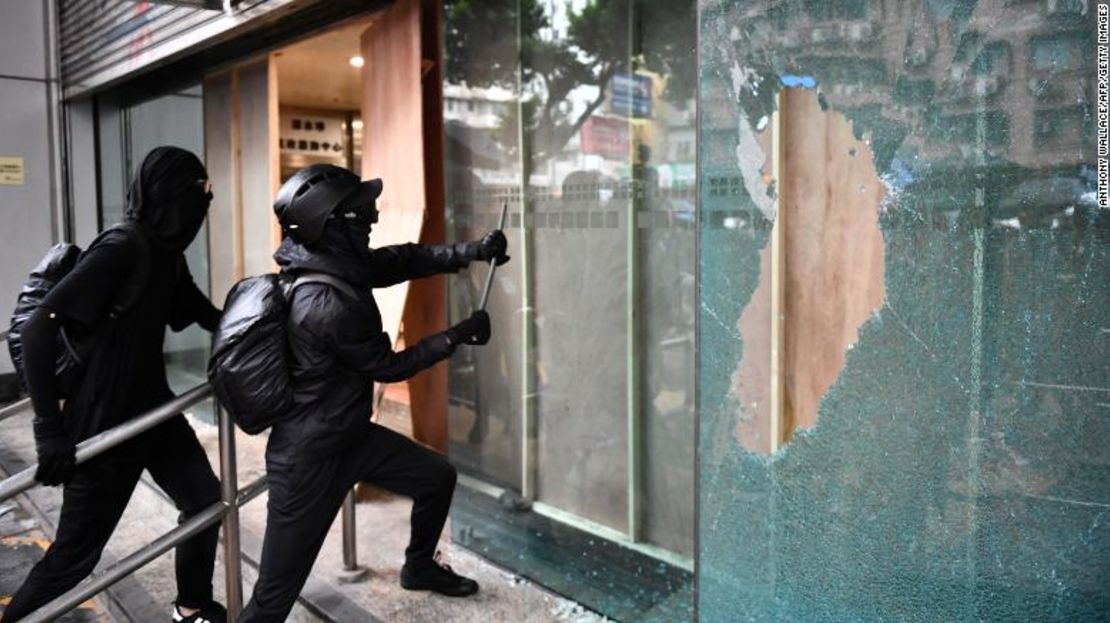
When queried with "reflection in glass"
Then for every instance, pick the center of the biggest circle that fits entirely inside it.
(127, 134)
(575, 425)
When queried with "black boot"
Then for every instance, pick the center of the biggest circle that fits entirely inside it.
(437, 576)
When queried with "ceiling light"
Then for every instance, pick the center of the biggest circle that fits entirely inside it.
(357, 124)
(357, 61)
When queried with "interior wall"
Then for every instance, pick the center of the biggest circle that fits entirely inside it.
(392, 146)
(241, 155)
(220, 146)
(257, 118)
(82, 157)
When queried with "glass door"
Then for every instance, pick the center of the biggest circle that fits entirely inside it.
(126, 133)
(578, 416)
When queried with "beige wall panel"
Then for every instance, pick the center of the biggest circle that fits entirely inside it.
(219, 162)
(256, 162)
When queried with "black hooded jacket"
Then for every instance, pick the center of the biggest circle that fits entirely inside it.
(337, 342)
(125, 374)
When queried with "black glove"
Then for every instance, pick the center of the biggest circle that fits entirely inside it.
(493, 246)
(57, 459)
(474, 330)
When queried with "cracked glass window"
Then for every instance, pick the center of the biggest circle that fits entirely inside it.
(902, 365)
(910, 421)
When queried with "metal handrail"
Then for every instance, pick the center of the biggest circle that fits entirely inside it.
(225, 511)
(219, 511)
(14, 408)
(98, 444)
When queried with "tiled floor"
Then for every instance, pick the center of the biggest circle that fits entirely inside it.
(382, 535)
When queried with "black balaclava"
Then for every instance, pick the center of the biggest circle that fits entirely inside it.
(355, 223)
(168, 198)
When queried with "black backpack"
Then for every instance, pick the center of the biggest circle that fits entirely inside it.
(249, 366)
(73, 345)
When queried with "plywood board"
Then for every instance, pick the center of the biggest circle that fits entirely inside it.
(393, 141)
(826, 257)
(426, 309)
(833, 251)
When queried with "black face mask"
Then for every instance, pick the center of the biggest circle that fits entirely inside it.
(360, 218)
(169, 198)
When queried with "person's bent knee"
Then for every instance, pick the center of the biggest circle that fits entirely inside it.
(69, 562)
(448, 476)
(207, 494)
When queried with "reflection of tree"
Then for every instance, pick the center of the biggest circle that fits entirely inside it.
(482, 51)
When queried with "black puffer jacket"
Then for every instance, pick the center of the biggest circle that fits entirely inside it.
(338, 344)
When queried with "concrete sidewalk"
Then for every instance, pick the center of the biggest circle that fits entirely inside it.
(382, 535)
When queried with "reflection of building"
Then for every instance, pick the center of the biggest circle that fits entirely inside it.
(1022, 68)
(613, 142)
(940, 81)
(475, 107)
(473, 121)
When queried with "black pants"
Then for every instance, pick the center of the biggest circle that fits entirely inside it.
(306, 494)
(96, 498)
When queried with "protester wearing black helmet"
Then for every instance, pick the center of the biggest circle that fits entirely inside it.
(124, 375)
(328, 443)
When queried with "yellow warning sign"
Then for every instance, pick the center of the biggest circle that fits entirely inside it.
(11, 170)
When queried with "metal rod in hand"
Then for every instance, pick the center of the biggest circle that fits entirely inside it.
(493, 260)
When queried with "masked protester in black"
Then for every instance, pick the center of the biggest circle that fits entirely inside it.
(328, 443)
(124, 376)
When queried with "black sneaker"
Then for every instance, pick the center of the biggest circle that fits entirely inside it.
(437, 577)
(212, 613)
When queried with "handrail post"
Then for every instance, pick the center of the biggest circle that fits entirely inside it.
(229, 490)
(352, 572)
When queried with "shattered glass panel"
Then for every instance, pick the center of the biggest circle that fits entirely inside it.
(957, 466)
(483, 173)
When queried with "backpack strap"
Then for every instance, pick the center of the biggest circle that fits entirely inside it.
(140, 270)
(335, 282)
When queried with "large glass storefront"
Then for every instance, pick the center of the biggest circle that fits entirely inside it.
(810, 293)
(903, 354)
(574, 428)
